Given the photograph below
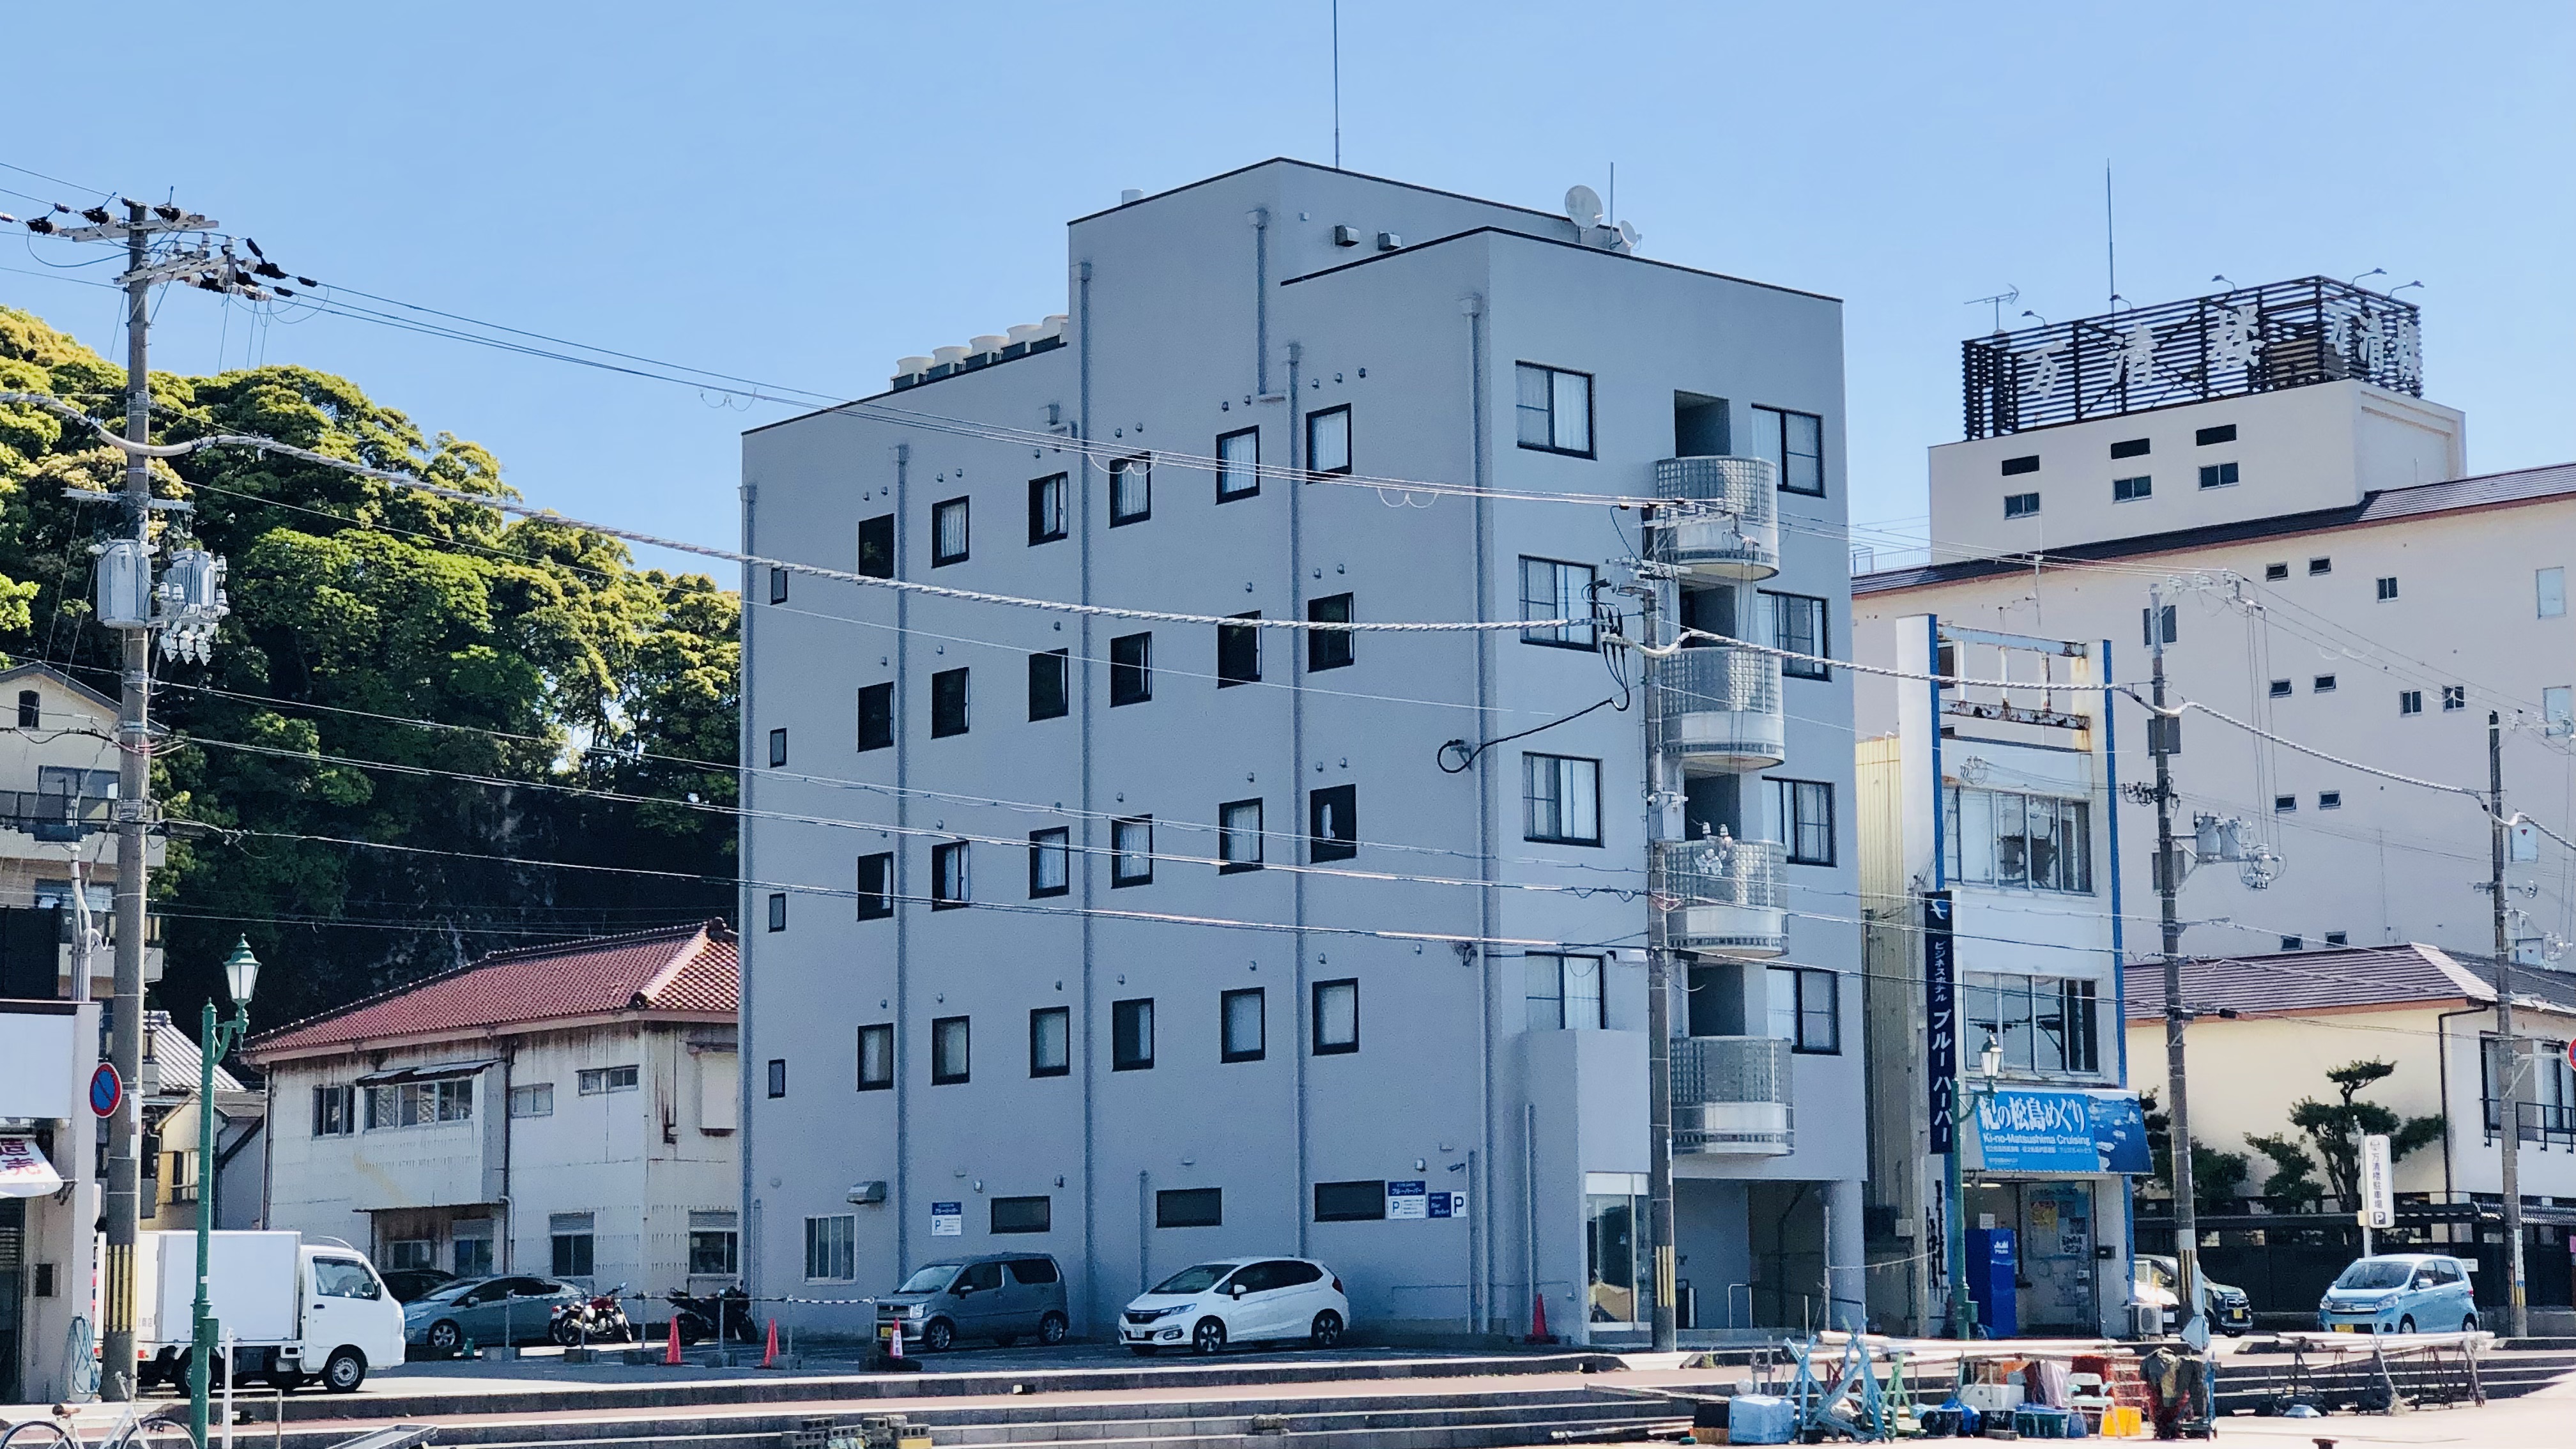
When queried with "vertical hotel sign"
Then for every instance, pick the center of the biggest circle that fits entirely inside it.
(1941, 1022)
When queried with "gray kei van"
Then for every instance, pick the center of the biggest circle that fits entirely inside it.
(1004, 1297)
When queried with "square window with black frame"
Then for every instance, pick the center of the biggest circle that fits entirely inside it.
(876, 886)
(1243, 1031)
(831, 1249)
(1238, 836)
(948, 532)
(2410, 701)
(2218, 475)
(948, 701)
(1332, 823)
(2454, 696)
(2323, 684)
(2274, 573)
(715, 1242)
(1805, 810)
(2387, 589)
(1565, 992)
(1131, 669)
(1553, 589)
(1328, 441)
(951, 885)
(2284, 804)
(1238, 652)
(1023, 1214)
(572, 1236)
(1351, 1202)
(876, 716)
(1561, 797)
(2318, 566)
(1131, 851)
(1050, 862)
(778, 1076)
(2021, 505)
(951, 1048)
(1050, 684)
(1555, 408)
(1131, 490)
(778, 586)
(1328, 648)
(778, 910)
(1798, 626)
(1806, 1009)
(2130, 490)
(2172, 623)
(2338, 938)
(876, 547)
(1337, 1017)
(1051, 1041)
(876, 1057)
(1189, 1207)
(1046, 509)
(2294, 943)
(777, 748)
(1238, 465)
(2330, 799)
(1795, 443)
(2281, 689)
(1131, 1035)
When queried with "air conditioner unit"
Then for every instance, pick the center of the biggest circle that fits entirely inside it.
(871, 1193)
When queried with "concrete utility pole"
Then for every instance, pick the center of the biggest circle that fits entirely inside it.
(2517, 1309)
(2163, 733)
(1659, 1005)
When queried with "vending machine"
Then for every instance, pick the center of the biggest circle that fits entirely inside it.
(1992, 1264)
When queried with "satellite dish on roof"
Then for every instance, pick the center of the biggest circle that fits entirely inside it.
(1583, 206)
(1630, 236)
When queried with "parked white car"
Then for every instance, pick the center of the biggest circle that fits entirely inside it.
(1238, 1300)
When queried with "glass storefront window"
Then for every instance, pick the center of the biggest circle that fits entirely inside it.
(1614, 1204)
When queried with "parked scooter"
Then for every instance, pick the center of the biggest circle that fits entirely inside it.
(700, 1315)
(592, 1320)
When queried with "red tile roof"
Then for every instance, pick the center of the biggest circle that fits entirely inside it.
(685, 969)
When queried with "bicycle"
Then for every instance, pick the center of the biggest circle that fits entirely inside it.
(156, 1430)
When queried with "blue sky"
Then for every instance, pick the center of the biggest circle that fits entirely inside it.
(802, 192)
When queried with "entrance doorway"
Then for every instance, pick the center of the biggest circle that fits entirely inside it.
(2055, 1231)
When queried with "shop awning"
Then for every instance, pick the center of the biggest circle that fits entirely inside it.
(24, 1172)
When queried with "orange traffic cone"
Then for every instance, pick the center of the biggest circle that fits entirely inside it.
(671, 1355)
(894, 1346)
(770, 1359)
(1538, 1318)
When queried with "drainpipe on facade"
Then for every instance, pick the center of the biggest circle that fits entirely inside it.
(1481, 1303)
(742, 908)
(1297, 885)
(1091, 1282)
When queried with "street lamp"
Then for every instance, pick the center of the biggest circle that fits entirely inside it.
(215, 1040)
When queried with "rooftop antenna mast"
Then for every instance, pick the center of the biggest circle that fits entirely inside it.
(2010, 293)
(1337, 85)
(2110, 236)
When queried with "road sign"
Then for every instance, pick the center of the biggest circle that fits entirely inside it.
(106, 1090)
(948, 1220)
(2378, 1198)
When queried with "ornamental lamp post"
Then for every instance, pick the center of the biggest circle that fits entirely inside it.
(215, 1040)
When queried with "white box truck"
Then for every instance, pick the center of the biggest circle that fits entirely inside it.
(294, 1311)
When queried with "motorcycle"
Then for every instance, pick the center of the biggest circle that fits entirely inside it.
(601, 1319)
(700, 1315)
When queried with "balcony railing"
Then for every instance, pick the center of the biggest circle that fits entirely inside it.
(1731, 1095)
(1722, 709)
(56, 817)
(1723, 521)
(1721, 896)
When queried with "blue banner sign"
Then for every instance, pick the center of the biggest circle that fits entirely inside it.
(2045, 1131)
(1940, 1023)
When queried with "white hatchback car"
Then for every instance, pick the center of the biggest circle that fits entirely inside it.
(1238, 1300)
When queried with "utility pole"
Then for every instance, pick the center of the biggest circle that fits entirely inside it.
(2518, 1309)
(1659, 1004)
(2163, 733)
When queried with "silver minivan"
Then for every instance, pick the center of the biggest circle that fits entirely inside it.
(1004, 1297)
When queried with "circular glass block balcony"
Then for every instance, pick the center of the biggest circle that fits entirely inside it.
(1722, 710)
(1731, 1095)
(1721, 896)
(1723, 522)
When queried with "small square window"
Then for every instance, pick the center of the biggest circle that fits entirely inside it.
(2130, 490)
(1238, 836)
(778, 586)
(2410, 701)
(876, 547)
(1238, 652)
(778, 1076)
(2274, 573)
(1131, 490)
(1051, 684)
(2294, 943)
(2330, 799)
(2284, 804)
(951, 887)
(951, 1045)
(1328, 441)
(1131, 851)
(876, 886)
(2455, 696)
(1798, 626)
(1332, 823)
(2020, 505)
(2218, 475)
(1795, 444)
(1238, 465)
(1554, 590)
(1561, 799)
(1131, 669)
(876, 1057)
(777, 748)
(1329, 648)
(876, 716)
(1805, 810)
(2132, 448)
(948, 700)
(1050, 862)
(2387, 589)
(1051, 1042)
(2223, 433)
(1555, 408)
(1337, 1017)
(2338, 938)
(1242, 1025)
(1189, 1207)
(1131, 1035)
(778, 910)
(1046, 509)
(948, 533)
(2318, 566)
(1023, 1215)
(2549, 589)
(2322, 684)
(2015, 467)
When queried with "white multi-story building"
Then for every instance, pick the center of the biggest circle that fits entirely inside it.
(568, 1111)
(1176, 939)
